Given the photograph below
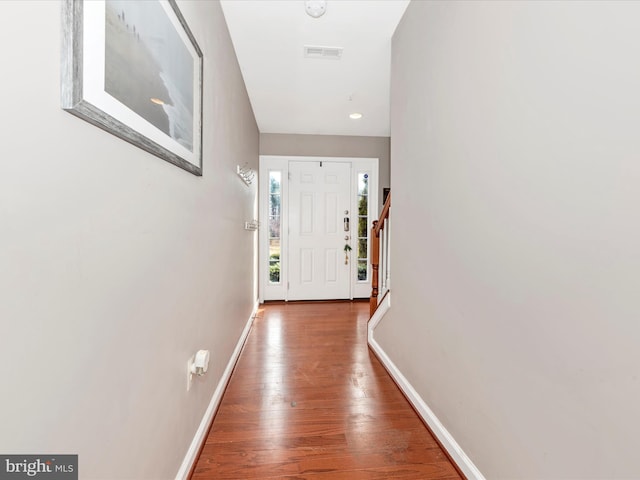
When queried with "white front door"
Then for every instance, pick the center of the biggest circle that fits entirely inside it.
(319, 201)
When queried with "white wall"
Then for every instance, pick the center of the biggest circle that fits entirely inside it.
(516, 265)
(115, 266)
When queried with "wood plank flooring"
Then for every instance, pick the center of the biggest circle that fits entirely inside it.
(308, 400)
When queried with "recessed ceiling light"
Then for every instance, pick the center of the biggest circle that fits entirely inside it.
(157, 101)
(355, 116)
(315, 8)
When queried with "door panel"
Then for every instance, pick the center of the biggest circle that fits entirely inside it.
(319, 196)
(306, 265)
(306, 213)
(331, 209)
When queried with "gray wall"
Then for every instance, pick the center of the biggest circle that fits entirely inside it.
(115, 266)
(515, 231)
(331, 146)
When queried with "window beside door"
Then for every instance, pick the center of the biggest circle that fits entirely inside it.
(275, 222)
(363, 227)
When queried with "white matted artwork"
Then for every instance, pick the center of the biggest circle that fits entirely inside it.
(134, 69)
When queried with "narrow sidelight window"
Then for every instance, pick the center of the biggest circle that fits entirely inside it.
(363, 226)
(275, 196)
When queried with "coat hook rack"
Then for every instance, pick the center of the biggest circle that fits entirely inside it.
(245, 173)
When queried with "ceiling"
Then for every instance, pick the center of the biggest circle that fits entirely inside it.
(293, 94)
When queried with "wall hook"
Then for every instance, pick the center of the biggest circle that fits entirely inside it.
(246, 174)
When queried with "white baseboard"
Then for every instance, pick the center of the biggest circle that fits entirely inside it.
(454, 450)
(192, 454)
(383, 308)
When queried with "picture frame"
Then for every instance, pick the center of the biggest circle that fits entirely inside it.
(135, 70)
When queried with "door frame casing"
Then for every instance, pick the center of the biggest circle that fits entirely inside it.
(280, 163)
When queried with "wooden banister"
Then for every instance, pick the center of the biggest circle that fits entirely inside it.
(378, 226)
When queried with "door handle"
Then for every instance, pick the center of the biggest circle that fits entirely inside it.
(346, 224)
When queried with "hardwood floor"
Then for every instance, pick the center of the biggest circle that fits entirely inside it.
(308, 400)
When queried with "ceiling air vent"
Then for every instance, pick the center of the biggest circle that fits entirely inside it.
(322, 52)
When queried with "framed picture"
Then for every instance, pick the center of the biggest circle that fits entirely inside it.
(134, 69)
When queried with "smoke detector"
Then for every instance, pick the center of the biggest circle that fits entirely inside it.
(315, 8)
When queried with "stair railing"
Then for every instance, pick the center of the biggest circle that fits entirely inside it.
(380, 257)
